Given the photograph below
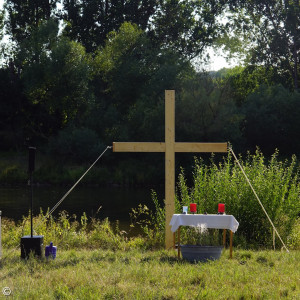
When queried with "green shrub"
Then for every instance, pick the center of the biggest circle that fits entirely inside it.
(276, 183)
(152, 223)
(65, 231)
(294, 237)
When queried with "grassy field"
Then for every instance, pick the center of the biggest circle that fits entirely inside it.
(97, 261)
(137, 274)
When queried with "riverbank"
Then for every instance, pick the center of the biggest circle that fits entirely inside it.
(109, 171)
(136, 274)
(114, 203)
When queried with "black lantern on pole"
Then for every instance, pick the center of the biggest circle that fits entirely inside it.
(31, 243)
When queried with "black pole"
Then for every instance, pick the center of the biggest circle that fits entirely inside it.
(31, 205)
(31, 160)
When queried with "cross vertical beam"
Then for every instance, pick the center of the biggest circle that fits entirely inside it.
(169, 147)
(169, 161)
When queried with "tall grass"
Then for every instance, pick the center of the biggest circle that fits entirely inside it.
(67, 232)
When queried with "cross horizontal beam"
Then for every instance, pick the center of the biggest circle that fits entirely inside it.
(138, 147)
(169, 147)
(161, 147)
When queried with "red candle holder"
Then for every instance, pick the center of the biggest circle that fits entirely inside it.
(193, 208)
(221, 208)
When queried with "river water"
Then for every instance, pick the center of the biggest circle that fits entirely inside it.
(110, 202)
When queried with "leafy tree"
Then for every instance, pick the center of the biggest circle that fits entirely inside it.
(1, 24)
(242, 81)
(2, 34)
(55, 74)
(135, 74)
(272, 28)
(25, 16)
(113, 89)
(89, 22)
(186, 27)
(206, 112)
(13, 105)
(272, 120)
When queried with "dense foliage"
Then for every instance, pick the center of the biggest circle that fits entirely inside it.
(276, 183)
(76, 75)
(270, 32)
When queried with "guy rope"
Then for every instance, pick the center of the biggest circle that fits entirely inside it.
(72, 188)
(264, 210)
(63, 198)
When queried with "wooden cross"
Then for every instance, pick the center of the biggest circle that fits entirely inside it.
(169, 147)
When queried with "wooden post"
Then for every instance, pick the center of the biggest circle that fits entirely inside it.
(169, 161)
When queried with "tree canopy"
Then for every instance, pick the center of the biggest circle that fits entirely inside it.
(272, 28)
(96, 71)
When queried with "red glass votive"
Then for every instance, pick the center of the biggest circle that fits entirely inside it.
(193, 208)
(221, 208)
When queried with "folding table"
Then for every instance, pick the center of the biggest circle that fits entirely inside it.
(208, 221)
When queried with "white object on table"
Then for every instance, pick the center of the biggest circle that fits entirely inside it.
(209, 221)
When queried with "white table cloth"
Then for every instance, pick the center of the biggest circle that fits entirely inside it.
(208, 221)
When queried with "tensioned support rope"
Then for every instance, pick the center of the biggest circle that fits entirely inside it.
(247, 179)
(71, 189)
